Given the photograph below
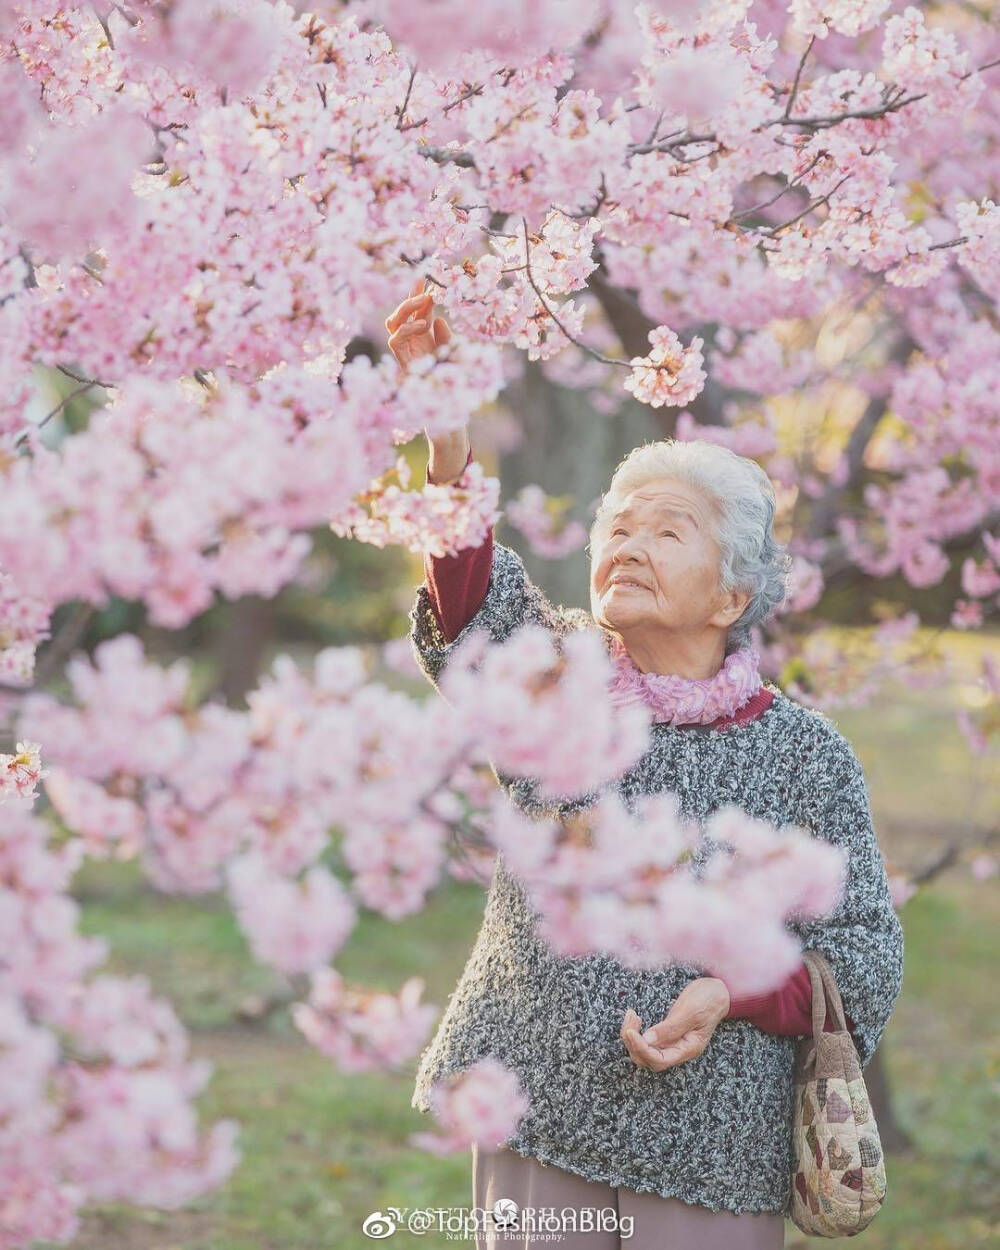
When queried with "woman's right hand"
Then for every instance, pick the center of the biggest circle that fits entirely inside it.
(415, 331)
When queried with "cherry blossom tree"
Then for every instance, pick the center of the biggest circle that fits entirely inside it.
(775, 226)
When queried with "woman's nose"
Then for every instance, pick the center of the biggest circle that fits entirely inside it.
(630, 549)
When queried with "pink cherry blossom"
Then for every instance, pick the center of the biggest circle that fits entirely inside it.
(360, 1029)
(484, 1104)
(21, 772)
(901, 888)
(671, 374)
(62, 203)
(540, 518)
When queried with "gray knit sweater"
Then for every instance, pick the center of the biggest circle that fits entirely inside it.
(715, 1130)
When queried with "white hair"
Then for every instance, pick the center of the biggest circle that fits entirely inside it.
(743, 505)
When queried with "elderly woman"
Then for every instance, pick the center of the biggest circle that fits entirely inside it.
(654, 1092)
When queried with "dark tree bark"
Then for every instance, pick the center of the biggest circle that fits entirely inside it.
(893, 1136)
(240, 640)
(569, 448)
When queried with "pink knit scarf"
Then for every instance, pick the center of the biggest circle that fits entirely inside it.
(685, 700)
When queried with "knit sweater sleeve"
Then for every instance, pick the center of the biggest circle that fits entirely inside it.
(511, 599)
(862, 939)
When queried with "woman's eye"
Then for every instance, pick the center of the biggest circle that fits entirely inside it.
(670, 532)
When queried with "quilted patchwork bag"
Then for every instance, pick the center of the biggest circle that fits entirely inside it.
(838, 1173)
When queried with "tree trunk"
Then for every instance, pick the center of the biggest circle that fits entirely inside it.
(894, 1138)
(244, 631)
(569, 449)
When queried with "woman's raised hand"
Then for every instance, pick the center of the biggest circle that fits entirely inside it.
(414, 330)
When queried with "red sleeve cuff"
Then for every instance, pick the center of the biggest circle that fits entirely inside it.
(786, 1010)
(457, 584)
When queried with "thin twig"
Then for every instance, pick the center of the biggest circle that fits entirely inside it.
(78, 377)
(406, 98)
(798, 75)
(795, 184)
(773, 231)
(591, 351)
(950, 243)
(104, 26)
(80, 390)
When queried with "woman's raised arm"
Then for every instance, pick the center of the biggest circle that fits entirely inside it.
(457, 583)
(485, 587)
(511, 599)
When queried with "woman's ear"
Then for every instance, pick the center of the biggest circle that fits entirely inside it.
(733, 606)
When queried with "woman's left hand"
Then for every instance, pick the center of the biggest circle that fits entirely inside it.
(684, 1032)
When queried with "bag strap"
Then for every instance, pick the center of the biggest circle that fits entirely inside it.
(825, 994)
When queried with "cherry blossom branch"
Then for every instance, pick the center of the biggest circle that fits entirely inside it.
(839, 563)
(401, 111)
(892, 104)
(25, 255)
(80, 390)
(668, 144)
(591, 351)
(798, 75)
(78, 377)
(476, 89)
(789, 186)
(608, 360)
(126, 14)
(773, 231)
(656, 127)
(103, 20)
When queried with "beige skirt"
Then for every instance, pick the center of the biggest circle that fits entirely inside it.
(526, 1205)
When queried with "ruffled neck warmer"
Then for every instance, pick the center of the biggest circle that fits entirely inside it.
(685, 700)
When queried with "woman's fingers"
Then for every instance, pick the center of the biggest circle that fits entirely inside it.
(629, 1033)
(413, 319)
(657, 1057)
(409, 306)
(409, 328)
(643, 1054)
(689, 1047)
(407, 331)
(417, 303)
(403, 343)
(631, 1021)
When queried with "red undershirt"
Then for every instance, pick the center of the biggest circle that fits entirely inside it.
(456, 586)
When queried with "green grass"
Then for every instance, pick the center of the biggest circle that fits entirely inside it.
(943, 1066)
(323, 1149)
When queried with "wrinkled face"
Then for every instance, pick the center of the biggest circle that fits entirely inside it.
(658, 564)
